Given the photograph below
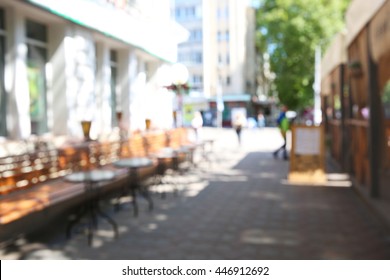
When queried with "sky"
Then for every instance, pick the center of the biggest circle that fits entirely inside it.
(255, 3)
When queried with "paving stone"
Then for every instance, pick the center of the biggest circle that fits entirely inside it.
(237, 209)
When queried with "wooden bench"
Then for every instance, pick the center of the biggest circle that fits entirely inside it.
(178, 137)
(24, 171)
(32, 189)
(32, 184)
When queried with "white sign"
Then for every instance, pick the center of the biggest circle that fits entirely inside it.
(307, 141)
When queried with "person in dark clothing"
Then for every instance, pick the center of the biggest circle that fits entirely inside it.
(284, 126)
(238, 124)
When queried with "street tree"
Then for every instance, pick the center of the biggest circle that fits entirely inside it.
(290, 31)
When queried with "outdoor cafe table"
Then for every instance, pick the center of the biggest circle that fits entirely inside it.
(169, 154)
(207, 149)
(91, 208)
(134, 185)
(189, 150)
(168, 158)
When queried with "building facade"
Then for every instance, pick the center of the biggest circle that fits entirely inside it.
(220, 53)
(60, 65)
(356, 100)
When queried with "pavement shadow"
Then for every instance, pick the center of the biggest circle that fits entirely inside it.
(241, 212)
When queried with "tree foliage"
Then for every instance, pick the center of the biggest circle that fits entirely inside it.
(290, 30)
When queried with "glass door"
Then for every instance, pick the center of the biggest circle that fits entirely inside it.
(3, 95)
(36, 75)
(37, 87)
(113, 84)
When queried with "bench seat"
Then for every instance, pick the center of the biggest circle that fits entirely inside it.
(47, 195)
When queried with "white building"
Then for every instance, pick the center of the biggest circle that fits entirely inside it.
(220, 53)
(62, 62)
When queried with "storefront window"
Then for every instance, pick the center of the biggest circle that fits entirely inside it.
(386, 101)
(36, 31)
(365, 113)
(386, 111)
(3, 96)
(337, 106)
(36, 62)
(114, 79)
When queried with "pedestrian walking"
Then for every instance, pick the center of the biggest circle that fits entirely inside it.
(197, 124)
(284, 125)
(238, 124)
(260, 120)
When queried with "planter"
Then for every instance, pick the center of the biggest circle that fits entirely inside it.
(86, 126)
(355, 69)
(148, 123)
(119, 117)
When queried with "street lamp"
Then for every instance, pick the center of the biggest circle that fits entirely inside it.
(220, 105)
(179, 85)
(219, 100)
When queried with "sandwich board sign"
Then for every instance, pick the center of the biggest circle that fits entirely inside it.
(307, 159)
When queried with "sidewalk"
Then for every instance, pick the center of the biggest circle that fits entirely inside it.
(238, 207)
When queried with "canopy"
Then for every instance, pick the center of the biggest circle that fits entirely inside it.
(157, 36)
(359, 13)
(335, 55)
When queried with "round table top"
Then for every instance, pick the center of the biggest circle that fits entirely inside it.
(91, 176)
(167, 154)
(183, 149)
(136, 162)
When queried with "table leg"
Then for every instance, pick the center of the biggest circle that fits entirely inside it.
(77, 219)
(135, 185)
(92, 225)
(91, 210)
(145, 193)
(108, 219)
(159, 175)
(122, 194)
(125, 190)
(134, 201)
